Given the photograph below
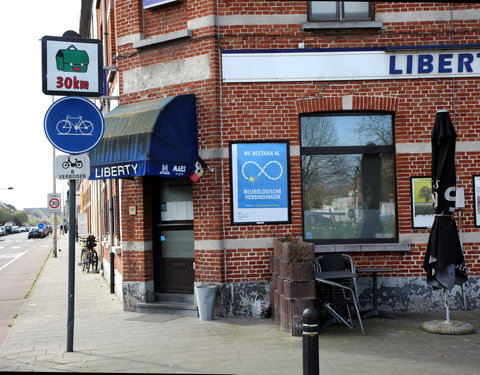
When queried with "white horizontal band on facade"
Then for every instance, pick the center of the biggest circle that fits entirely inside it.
(262, 19)
(289, 19)
(403, 245)
(176, 72)
(422, 238)
(426, 147)
(244, 243)
(401, 148)
(200, 23)
(136, 245)
(429, 16)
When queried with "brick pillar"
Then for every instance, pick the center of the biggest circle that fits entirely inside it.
(136, 244)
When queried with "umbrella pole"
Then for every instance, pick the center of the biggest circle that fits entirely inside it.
(447, 310)
(461, 243)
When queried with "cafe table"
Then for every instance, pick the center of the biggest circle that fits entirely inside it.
(374, 271)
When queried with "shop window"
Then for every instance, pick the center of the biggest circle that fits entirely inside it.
(339, 11)
(348, 178)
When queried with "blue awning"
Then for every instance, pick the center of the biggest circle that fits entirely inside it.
(156, 137)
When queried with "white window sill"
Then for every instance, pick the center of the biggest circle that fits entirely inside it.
(364, 248)
(309, 26)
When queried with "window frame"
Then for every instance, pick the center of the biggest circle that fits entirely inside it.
(340, 14)
(345, 150)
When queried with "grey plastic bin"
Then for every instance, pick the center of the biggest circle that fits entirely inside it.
(205, 295)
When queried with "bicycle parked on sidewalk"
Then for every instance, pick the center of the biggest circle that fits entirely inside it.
(89, 256)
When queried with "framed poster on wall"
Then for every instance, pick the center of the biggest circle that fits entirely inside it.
(422, 205)
(476, 197)
(260, 192)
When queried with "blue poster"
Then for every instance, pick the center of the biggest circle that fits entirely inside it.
(260, 182)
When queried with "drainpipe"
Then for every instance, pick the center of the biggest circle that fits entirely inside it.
(109, 181)
(110, 230)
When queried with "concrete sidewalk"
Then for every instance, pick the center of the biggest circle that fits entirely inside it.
(107, 339)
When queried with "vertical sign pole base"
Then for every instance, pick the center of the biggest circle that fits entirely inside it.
(71, 263)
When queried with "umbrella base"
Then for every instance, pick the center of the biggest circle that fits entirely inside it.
(455, 327)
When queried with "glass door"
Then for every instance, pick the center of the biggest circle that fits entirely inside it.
(173, 236)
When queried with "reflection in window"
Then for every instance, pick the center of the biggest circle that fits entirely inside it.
(348, 130)
(348, 179)
(339, 11)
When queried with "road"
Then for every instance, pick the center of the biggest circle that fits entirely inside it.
(20, 261)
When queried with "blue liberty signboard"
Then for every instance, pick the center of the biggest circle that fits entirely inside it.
(260, 182)
(74, 125)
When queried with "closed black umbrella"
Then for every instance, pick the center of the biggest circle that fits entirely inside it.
(444, 260)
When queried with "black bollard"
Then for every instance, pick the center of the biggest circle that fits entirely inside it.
(311, 365)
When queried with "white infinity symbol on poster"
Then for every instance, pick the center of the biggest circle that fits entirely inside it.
(262, 170)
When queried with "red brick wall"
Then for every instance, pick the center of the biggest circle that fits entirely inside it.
(270, 111)
(137, 264)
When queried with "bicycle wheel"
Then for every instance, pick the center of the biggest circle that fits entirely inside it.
(64, 127)
(89, 260)
(86, 127)
(94, 261)
(82, 258)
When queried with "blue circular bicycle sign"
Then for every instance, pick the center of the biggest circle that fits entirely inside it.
(74, 125)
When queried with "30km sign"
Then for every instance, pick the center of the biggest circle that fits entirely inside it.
(72, 66)
(54, 204)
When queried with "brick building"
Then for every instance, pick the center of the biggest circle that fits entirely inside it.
(313, 118)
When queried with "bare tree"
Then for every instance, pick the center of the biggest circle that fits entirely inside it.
(376, 129)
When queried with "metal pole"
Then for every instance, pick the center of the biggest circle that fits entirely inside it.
(71, 264)
(54, 221)
(447, 309)
(111, 225)
(311, 364)
(112, 272)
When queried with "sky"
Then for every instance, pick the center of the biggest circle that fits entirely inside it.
(26, 154)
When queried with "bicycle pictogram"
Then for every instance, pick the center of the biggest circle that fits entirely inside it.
(262, 170)
(74, 125)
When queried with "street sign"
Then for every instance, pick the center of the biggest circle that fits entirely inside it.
(82, 225)
(40, 226)
(74, 125)
(69, 167)
(72, 66)
(54, 202)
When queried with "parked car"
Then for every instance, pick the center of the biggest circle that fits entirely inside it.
(3, 232)
(36, 233)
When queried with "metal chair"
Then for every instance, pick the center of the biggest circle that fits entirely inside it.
(334, 293)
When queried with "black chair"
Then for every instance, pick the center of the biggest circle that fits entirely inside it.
(338, 295)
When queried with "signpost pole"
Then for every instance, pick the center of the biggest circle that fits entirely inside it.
(54, 231)
(72, 124)
(71, 264)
